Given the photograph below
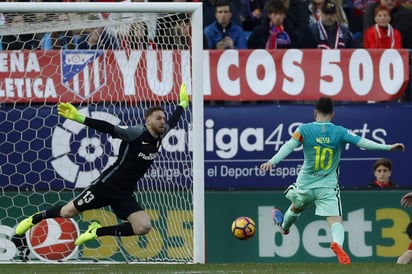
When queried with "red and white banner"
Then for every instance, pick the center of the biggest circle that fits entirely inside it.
(235, 75)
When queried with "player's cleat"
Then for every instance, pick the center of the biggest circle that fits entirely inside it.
(343, 258)
(25, 225)
(90, 234)
(277, 217)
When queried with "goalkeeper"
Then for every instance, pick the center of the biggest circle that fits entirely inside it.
(115, 186)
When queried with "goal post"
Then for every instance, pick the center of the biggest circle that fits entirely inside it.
(46, 160)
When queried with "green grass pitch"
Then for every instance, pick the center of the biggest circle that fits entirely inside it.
(301, 268)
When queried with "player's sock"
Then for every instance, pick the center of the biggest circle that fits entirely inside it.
(338, 233)
(289, 219)
(52, 212)
(124, 229)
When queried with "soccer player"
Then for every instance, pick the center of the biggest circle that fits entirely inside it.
(406, 200)
(406, 257)
(115, 186)
(317, 181)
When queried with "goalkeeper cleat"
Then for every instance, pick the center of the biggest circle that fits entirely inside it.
(90, 234)
(277, 217)
(25, 225)
(343, 258)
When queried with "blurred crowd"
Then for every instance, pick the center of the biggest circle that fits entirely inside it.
(270, 24)
(323, 24)
(236, 24)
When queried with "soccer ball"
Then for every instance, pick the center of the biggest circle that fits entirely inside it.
(243, 228)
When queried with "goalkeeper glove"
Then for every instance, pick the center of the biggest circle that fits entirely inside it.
(184, 97)
(68, 111)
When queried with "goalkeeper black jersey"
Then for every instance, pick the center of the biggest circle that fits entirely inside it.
(137, 152)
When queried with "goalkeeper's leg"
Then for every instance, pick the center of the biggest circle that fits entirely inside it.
(66, 211)
(138, 224)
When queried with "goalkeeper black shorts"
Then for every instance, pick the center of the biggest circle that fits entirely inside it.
(99, 195)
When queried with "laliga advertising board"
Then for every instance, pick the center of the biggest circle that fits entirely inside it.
(237, 140)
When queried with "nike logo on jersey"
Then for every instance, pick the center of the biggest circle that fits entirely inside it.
(145, 143)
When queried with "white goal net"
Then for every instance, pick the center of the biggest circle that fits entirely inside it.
(113, 62)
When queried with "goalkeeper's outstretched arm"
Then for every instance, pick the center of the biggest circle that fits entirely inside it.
(183, 104)
(68, 111)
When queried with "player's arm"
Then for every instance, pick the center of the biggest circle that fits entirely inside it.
(283, 152)
(371, 145)
(128, 134)
(405, 258)
(183, 104)
(68, 111)
(406, 200)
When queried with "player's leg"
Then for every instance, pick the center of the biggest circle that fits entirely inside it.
(336, 227)
(290, 217)
(66, 211)
(126, 208)
(328, 204)
(140, 222)
(338, 237)
(299, 201)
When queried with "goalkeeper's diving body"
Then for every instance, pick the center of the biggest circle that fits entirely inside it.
(317, 181)
(116, 185)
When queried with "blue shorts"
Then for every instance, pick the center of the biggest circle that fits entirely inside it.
(326, 200)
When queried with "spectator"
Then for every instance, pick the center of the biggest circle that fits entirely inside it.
(223, 33)
(19, 41)
(137, 37)
(275, 31)
(382, 169)
(382, 35)
(315, 7)
(181, 33)
(327, 33)
(251, 13)
(400, 19)
(406, 257)
(58, 39)
(209, 8)
(356, 20)
(407, 4)
(173, 31)
(97, 38)
(298, 14)
(123, 30)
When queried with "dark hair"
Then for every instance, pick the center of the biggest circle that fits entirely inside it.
(221, 3)
(409, 230)
(275, 6)
(383, 162)
(151, 110)
(324, 105)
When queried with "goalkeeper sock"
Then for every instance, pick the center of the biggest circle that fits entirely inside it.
(124, 229)
(52, 212)
(289, 219)
(338, 233)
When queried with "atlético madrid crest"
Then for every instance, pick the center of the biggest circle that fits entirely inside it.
(83, 72)
(53, 239)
